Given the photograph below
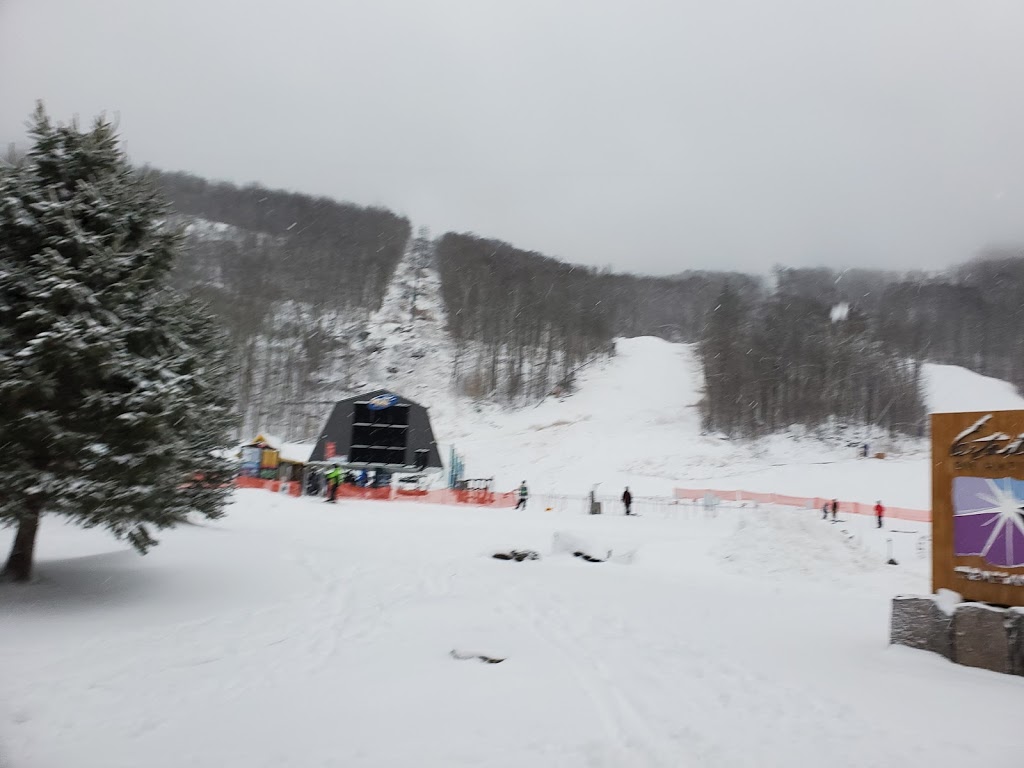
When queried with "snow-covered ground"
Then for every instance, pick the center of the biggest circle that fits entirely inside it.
(950, 388)
(294, 633)
(635, 422)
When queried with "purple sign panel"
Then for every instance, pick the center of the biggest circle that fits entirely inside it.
(988, 519)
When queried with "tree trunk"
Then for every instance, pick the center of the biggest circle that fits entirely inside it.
(19, 564)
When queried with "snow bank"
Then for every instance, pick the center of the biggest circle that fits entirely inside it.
(950, 388)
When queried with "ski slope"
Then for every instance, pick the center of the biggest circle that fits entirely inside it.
(635, 421)
(296, 633)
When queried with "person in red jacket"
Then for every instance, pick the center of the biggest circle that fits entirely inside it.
(879, 512)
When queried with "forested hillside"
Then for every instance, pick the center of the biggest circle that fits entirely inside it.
(524, 322)
(521, 322)
(296, 280)
(293, 278)
(793, 359)
(972, 316)
(845, 345)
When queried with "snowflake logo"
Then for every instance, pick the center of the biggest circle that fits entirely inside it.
(988, 519)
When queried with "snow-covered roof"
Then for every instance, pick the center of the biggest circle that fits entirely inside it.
(297, 453)
(266, 439)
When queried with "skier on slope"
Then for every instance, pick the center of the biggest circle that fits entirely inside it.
(835, 509)
(333, 481)
(879, 513)
(627, 500)
(523, 494)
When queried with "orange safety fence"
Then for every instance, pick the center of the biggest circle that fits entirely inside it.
(345, 491)
(809, 502)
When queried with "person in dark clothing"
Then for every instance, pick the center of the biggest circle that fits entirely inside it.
(313, 484)
(835, 509)
(879, 513)
(627, 500)
(523, 495)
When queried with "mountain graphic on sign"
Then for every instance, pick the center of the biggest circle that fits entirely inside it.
(988, 519)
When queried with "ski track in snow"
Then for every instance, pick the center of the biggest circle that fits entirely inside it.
(293, 633)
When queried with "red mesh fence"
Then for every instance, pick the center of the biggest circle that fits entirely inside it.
(444, 496)
(490, 499)
(810, 502)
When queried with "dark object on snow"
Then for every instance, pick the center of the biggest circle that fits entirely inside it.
(464, 656)
(588, 558)
(892, 560)
(627, 500)
(517, 555)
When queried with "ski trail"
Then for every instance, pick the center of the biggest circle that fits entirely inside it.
(634, 741)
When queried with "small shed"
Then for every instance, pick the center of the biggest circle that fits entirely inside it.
(271, 458)
(378, 430)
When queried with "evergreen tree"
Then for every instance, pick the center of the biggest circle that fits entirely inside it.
(113, 399)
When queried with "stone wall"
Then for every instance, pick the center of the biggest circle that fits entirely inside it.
(972, 634)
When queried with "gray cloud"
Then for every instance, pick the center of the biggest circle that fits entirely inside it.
(644, 135)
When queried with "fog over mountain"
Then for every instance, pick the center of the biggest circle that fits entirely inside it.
(654, 136)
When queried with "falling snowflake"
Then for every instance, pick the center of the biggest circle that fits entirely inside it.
(988, 519)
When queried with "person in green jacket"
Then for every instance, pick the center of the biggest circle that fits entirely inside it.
(333, 481)
(523, 494)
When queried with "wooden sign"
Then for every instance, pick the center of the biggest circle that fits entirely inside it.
(978, 505)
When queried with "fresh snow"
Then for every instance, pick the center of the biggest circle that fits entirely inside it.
(950, 388)
(296, 633)
(634, 420)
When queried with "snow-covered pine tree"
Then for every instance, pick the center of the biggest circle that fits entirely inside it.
(113, 393)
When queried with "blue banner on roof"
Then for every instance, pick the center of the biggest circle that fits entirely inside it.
(380, 402)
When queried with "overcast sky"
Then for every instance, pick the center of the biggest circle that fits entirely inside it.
(644, 135)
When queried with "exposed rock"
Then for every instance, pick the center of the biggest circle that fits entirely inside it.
(1015, 639)
(980, 637)
(919, 622)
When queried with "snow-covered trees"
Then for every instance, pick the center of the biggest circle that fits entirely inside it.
(112, 397)
(290, 277)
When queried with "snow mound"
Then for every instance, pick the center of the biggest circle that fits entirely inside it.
(793, 544)
(950, 388)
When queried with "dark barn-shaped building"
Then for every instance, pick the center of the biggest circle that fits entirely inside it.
(378, 430)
